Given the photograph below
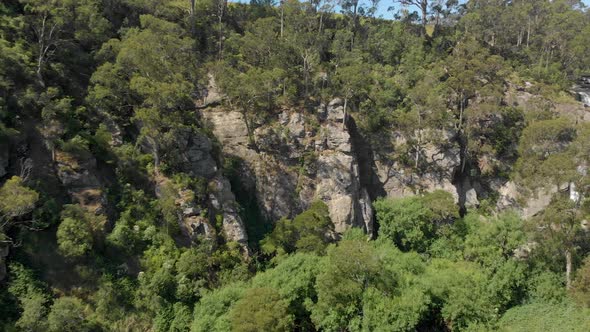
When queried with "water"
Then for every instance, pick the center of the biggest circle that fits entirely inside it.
(584, 97)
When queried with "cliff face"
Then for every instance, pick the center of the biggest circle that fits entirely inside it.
(296, 156)
(197, 216)
(287, 162)
(295, 159)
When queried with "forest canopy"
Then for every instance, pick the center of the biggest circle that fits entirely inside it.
(120, 210)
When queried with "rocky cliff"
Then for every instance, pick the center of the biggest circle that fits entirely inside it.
(296, 158)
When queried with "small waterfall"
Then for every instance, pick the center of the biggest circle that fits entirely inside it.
(584, 97)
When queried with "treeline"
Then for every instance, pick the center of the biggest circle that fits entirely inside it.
(83, 73)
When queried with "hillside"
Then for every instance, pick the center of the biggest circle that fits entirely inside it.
(182, 165)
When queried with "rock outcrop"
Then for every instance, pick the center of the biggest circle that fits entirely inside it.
(193, 155)
(223, 202)
(296, 159)
(193, 151)
(440, 164)
(79, 176)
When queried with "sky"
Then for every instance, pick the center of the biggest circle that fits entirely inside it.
(385, 4)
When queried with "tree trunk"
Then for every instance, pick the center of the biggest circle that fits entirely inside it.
(568, 268)
(42, 48)
(192, 17)
(39, 69)
(282, 18)
(419, 143)
(220, 12)
(321, 23)
(155, 154)
(424, 8)
(344, 117)
(528, 32)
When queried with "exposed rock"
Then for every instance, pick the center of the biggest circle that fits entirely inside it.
(336, 138)
(78, 175)
(223, 201)
(195, 153)
(527, 205)
(537, 203)
(322, 112)
(191, 217)
(230, 130)
(294, 166)
(335, 110)
(114, 130)
(211, 94)
(524, 251)
(296, 125)
(194, 227)
(508, 196)
(439, 162)
(471, 200)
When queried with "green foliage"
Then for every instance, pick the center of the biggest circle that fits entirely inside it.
(32, 298)
(544, 316)
(581, 285)
(211, 313)
(68, 315)
(261, 309)
(16, 199)
(542, 149)
(294, 278)
(493, 241)
(116, 85)
(546, 287)
(307, 232)
(411, 222)
(80, 231)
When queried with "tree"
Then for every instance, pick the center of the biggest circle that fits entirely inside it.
(252, 93)
(80, 231)
(56, 23)
(422, 5)
(491, 241)
(32, 298)
(558, 232)
(294, 278)
(261, 309)
(68, 315)
(411, 222)
(352, 78)
(307, 232)
(154, 68)
(543, 146)
(580, 289)
(350, 268)
(16, 200)
(211, 312)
